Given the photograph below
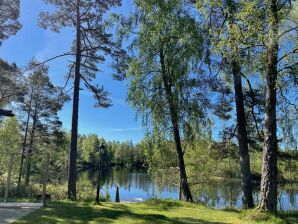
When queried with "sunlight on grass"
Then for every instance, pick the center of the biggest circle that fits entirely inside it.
(153, 211)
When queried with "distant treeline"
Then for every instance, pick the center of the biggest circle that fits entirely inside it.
(115, 153)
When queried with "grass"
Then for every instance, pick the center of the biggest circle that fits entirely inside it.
(154, 211)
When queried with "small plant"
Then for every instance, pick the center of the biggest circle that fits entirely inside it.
(106, 197)
(261, 217)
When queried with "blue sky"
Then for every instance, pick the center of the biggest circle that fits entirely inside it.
(115, 123)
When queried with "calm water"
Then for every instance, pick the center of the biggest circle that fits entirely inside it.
(136, 185)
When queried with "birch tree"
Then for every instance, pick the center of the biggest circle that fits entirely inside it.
(162, 88)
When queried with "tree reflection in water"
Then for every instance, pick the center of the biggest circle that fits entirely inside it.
(136, 184)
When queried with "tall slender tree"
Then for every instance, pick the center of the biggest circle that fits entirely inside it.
(281, 60)
(28, 111)
(247, 199)
(269, 170)
(222, 24)
(91, 44)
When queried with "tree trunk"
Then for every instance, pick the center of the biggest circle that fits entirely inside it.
(10, 167)
(45, 179)
(247, 199)
(29, 156)
(24, 147)
(75, 112)
(268, 192)
(185, 193)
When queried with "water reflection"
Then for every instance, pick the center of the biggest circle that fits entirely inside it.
(228, 194)
(136, 185)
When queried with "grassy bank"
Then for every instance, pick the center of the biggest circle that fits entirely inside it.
(154, 211)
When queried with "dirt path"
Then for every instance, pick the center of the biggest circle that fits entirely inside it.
(10, 212)
(9, 215)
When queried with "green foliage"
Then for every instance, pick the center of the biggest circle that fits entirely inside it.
(208, 161)
(10, 136)
(171, 30)
(116, 153)
(262, 217)
(58, 192)
(58, 168)
(90, 146)
(11, 82)
(10, 143)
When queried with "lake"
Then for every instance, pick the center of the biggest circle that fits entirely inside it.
(136, 185)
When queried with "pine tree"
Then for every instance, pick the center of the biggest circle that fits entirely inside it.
(224, 19)
(92, 43)
(41, 104)
(9, 25)
(280, 57)
(11, 88)
(9, 15)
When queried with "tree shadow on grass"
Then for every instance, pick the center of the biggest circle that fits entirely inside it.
(289, 216)
(73, 213)
(229, 210)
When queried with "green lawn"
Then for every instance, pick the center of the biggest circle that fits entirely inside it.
(151, 212)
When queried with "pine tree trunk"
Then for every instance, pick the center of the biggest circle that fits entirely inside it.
(24, 147)
(247, 199)
(29, 156)
(268, 192)
(75, 112)
(185, 190)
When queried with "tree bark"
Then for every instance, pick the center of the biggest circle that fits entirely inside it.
(32, 135)
(24, 146)
(185, 193)
(75, 111)
(268, 192)
(247, 198)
